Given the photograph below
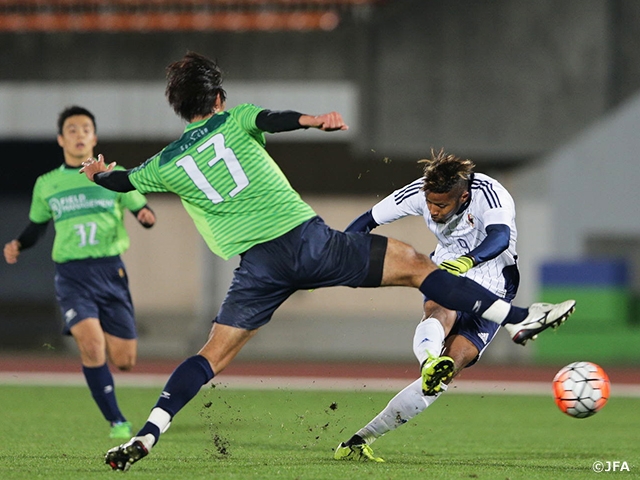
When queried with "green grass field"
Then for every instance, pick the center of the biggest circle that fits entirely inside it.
(58, 433)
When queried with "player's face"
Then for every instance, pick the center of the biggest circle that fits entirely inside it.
(78, 139)
(442, 206)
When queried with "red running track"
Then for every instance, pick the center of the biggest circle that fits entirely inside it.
(21, 362)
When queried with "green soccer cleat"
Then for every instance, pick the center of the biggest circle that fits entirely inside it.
(361, 452)
(120, 430)
(435, 372)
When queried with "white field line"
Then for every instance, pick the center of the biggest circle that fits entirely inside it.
(247, 382)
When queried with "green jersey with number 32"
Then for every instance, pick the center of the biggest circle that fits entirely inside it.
(88, 219)
(235, 193)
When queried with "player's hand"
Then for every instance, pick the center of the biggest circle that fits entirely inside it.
(12, 251)
(327, 122)
(459, 265)
(146, 217)
(91, 166)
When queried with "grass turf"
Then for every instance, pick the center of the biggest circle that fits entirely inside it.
(58, 433)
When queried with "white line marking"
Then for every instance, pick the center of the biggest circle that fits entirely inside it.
(247, 382)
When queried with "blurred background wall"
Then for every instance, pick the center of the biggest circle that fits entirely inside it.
(541, 95)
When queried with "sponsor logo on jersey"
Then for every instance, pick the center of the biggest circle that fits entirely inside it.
(71, 203)
(484, 336)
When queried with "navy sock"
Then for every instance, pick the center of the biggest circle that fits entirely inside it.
(515, 315)
(100, 383)
(184, 383)
(460, 293)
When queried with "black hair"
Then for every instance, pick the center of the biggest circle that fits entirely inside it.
(443, 172)
(193, 85)
(70, 112)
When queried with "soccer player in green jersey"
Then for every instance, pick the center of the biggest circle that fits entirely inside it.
(242, 204)
(90, 281)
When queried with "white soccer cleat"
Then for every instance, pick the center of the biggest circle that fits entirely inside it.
(541, 316)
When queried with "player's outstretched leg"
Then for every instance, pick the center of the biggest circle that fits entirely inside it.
(541, 316)
(355, 449)
(125, 455)
(435, 372)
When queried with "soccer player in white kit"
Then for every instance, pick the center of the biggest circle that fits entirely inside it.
(473, 217)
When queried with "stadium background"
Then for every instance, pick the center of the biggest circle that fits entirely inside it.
(542, 95)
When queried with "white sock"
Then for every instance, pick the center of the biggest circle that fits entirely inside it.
(148, 441)
(402, 408)
(428, 339)
(160, 418)
(497, 312)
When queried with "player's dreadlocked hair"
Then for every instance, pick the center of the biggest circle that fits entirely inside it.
(443, 172)
(193, 83)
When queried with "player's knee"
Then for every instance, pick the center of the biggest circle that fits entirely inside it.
(92, 353)
(419, 266)
(125, 365)
(123, 362)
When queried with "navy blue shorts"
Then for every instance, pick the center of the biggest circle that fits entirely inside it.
(310, 256)
(96, 288)
(476, 329)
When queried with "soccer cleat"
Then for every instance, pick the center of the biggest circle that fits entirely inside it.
(435, 371)
(541, 316)
(360, 452)
(120, 430)
(125, 455)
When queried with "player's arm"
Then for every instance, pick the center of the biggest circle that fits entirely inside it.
(105, 176)
(364, 223)
(287, 120)
(145, 216)
(28, 238)
(496, 242)
(401, 203)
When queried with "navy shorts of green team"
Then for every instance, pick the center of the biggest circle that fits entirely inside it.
(476, 329)
(96, 288)
(310, 256)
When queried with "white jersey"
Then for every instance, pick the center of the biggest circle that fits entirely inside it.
(491, 204)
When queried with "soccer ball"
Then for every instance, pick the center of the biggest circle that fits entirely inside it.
(581, 389)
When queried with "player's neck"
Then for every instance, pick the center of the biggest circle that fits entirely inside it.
(199, 118)
(216, 109)
(73, 162)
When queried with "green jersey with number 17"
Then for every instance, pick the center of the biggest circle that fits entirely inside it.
(233, 190)
(88, 219)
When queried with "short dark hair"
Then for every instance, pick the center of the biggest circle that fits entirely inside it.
(443, 172)
(70, 112)
(193, 84)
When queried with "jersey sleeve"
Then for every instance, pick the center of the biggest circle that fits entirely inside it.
(245, 115)
(500, 207)
(408, 200)
(40, 212)
(146, 177)
(133, 200)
